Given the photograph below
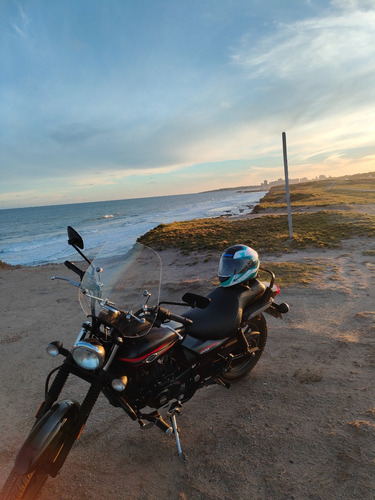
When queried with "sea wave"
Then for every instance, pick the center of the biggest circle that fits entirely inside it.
(38, 236)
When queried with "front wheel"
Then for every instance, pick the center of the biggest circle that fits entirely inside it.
(27, 486)
(255, 331)
(24, 486)
(43, 453)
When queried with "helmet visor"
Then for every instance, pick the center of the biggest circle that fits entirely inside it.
(230, 267)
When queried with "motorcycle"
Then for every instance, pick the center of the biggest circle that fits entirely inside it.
(146, 360)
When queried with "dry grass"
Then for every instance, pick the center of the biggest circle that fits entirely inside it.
(324, 229)
(269, 233)
(287, 274)
(4, 265)
(355, 189)
(290, 273)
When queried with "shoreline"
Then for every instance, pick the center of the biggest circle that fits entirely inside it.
(360, 209)
(225, 214)
(42, 239)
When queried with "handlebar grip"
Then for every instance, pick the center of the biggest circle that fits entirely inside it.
(180, 319)
(164, 314)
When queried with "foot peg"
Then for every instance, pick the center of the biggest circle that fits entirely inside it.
(162, 425)
(156, 419)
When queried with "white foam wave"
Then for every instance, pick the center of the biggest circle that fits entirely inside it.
(43, 239)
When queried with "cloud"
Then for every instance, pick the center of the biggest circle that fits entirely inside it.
(319, 78)
(20, 26)
(18, 30)
(303, 48)
(73, 133)
(9, 196)
(353, 5)
(82, 109)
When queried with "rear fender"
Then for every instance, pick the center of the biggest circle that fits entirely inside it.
(255, 310)
(61, 417)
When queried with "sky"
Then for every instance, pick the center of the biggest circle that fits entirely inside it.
(119, 99)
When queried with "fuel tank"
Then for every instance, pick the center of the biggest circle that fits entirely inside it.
(146, 349)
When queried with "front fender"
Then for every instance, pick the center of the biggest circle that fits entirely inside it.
(61, 417)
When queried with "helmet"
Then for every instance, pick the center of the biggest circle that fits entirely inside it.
(238, 263)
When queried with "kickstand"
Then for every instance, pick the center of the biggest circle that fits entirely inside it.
(172, 415)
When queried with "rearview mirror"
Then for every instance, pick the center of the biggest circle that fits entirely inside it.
(74, 238)
(195, 300)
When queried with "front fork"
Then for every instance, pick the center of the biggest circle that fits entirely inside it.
(54, 391)
(68, 367)
(77, 424)
(96, 385)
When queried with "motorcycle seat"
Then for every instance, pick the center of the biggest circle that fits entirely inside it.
(223, 316)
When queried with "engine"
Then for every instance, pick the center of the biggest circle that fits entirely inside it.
(154, 385)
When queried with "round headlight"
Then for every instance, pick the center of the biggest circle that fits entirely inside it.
(89, 354)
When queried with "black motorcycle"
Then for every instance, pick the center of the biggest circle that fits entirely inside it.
(146, 360)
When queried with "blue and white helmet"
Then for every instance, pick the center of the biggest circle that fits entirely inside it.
(238, 263)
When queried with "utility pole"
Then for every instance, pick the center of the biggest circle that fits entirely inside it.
(287, 186)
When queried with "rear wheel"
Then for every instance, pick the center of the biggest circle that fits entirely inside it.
(255, 332)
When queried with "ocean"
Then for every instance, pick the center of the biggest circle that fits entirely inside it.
(37, 235)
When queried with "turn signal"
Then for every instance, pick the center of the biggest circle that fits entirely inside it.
(119, 384)
(53, 349)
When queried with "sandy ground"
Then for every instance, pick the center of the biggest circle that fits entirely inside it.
(300, 426)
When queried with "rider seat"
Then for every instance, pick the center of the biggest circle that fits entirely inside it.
(223, 316)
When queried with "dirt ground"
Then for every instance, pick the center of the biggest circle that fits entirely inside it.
(300, 426)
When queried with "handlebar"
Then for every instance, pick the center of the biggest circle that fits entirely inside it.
(164, 314)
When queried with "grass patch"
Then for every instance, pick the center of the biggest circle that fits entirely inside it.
(356, 189)
(324, 229)
(287, 274)
(4, 265)
(290, 273)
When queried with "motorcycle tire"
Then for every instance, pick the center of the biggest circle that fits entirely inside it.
(255, 331)
(25, 486)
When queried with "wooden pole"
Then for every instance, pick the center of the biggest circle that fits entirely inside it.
(287, 186)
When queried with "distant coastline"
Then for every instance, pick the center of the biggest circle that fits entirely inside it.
(37, 236)
(266, 185)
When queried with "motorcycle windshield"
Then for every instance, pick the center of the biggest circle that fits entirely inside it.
(114, 289)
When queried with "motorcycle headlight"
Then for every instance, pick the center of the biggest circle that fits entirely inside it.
(88, 354)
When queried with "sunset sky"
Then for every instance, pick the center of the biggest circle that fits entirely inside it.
(121, 99)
